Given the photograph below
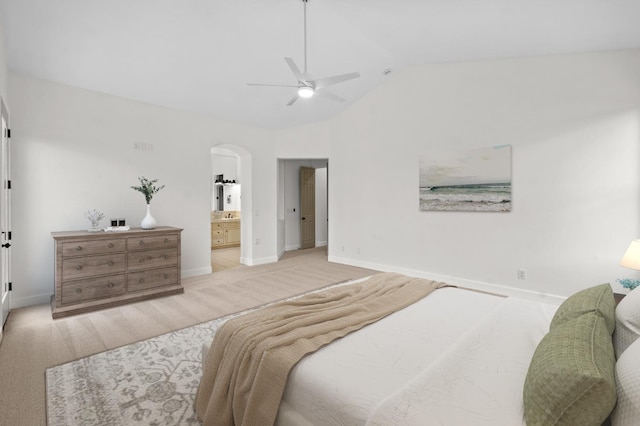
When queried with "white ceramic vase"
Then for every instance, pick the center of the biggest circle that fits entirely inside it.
(148, 222)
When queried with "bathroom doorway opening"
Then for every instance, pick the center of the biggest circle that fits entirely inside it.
(227, 226)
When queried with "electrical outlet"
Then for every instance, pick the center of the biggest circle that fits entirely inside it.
(522, 274)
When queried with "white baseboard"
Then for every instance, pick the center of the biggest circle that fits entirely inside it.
(297, 246)
(186, 273)
(460, 282)
(21, 302)
(262, 261)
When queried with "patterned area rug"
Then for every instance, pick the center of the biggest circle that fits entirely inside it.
(152, 382)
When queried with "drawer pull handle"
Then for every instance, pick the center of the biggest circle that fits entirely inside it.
(110, 245)
(110, 285)
(166, 257)
(79, 267)
(141, 243)
(79, 248)
(141, 280)
(78, 290)
(166, 276)
(141, 260)
(166, 240)
(110, 263)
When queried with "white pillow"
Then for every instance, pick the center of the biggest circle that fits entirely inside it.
(627, 322)
(627, 411)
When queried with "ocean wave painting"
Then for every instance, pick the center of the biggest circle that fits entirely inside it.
(476, 180)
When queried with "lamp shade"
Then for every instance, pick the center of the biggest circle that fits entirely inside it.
(631, 258)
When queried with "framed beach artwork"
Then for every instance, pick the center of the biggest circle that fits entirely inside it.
(477, 180)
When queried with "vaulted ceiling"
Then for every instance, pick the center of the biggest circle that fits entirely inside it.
(199, 55)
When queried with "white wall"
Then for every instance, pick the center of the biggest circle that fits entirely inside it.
(73, 151)
(226, 165)
(232, 195)
(4, 73)
(573, 123)
(280, 198)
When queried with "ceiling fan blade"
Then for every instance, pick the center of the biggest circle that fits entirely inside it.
(272, 85)
(324, 93)
(293, 100)
(294, 69)
(329, 81)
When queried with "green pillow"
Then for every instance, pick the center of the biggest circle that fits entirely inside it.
(571, 378)
(594, 299)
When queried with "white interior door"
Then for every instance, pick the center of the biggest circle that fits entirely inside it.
(5, 219)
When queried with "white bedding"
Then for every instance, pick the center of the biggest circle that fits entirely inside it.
(455, 357)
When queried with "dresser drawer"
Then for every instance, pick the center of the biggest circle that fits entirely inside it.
(152, 242)
(217, 225)
(151, 279)
(217, 241)
(93, 289)
(151, 259)
(79, 267)
(83, 248)
(217, 233)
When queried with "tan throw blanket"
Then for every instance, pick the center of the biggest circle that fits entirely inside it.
(246, 370)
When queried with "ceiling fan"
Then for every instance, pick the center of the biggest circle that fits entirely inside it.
(308, 86)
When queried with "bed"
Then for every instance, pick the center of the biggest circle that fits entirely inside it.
(458, 357)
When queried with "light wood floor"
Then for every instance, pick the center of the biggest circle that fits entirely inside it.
(33, 341)
(227, 258)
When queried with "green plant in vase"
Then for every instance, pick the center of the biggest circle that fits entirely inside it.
(149, 189)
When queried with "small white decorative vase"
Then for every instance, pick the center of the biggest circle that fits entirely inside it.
(148, 222)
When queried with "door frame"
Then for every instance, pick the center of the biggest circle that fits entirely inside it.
(5, 217)
(307, 207)
(287, 221)
(244, 174)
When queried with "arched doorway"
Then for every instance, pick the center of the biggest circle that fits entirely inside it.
(243, 177)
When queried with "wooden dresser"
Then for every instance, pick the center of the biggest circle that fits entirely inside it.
(96, 270)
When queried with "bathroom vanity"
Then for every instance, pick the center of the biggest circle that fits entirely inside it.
(225, 231)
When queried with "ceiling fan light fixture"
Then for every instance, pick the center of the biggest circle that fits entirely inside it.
(305, 91)
(307, 85)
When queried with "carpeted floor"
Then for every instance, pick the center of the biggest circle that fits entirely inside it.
(33, 341)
